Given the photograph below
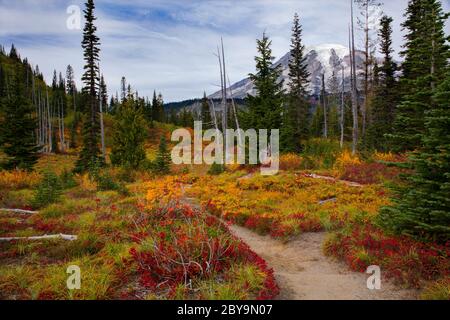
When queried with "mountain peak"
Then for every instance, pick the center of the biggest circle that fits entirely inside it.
(321, 59)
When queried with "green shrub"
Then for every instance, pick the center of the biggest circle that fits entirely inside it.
(320, 153)
(105, 182)
(48, 191)
(216, 169)
(67, 180)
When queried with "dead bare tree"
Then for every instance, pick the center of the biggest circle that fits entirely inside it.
(342, 113)
(369, 14)
(102, 126)
(235, 113)
(224, 97)
(354, 84)
(213, 112)
(49, 123)
(324, 103)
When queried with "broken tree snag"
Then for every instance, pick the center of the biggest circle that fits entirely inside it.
(45, 237)
(19, 211)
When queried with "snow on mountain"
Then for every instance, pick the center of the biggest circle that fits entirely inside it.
(321, 59)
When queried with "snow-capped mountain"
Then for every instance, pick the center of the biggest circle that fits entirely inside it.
(325, 58)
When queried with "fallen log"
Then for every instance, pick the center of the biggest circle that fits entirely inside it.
(349, 183)
(20, 211)
(328, 200)
(44, 237)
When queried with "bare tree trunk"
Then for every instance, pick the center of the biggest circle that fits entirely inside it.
(366, 69)
(433, 51)
(63, 140)
(225, 106)
(235, 113)
(325, 113)
(354, 86)
(102, 126)
(213, 111)
(342, 108)
(49, 123)
(59, 125)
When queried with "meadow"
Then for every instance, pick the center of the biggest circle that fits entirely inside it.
(146, 236)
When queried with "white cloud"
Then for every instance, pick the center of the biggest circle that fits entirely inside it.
(168, 45)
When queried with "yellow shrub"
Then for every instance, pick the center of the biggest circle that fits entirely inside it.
(14, 180)
(163, 191)
(234, 167)
(290, 161)
(86, 183)
(386, 157)
(347, 158)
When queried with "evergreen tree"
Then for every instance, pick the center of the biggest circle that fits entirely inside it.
(386, 92)
(422, 208)
(13, 53)
(163, 158)
(90, 155)
(295, 123)
(317, 124)
(162, 112)
(266, 108)
(205, 113)
(187, 119)
(173, 117)
(128, 136)
(18, 127)
(104, 94)
(70, 81)
(157, 108)
(334, 105)
(426, 57)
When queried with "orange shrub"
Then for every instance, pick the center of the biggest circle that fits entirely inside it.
(14, 180)
(86, 183)
(346, 158)
(163, 191)
(388, 157)
(290, 161)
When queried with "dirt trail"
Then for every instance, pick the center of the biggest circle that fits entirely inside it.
(303, 272)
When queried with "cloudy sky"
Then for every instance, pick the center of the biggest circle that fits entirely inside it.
(168, 45)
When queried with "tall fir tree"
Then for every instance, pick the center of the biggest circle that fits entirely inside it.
(266, 107)
(90, 155)
(426, 57)
(13, 54)
(104, 94)
(70, 81)
(422, 208)
(163, 158)
(129, 134)
(158, 108)
(205, 113)
(18, 126)
(386, 97)
(295, 120)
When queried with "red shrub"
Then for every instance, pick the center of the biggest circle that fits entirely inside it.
(183, 250)
(369, 173)
(401, 258)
